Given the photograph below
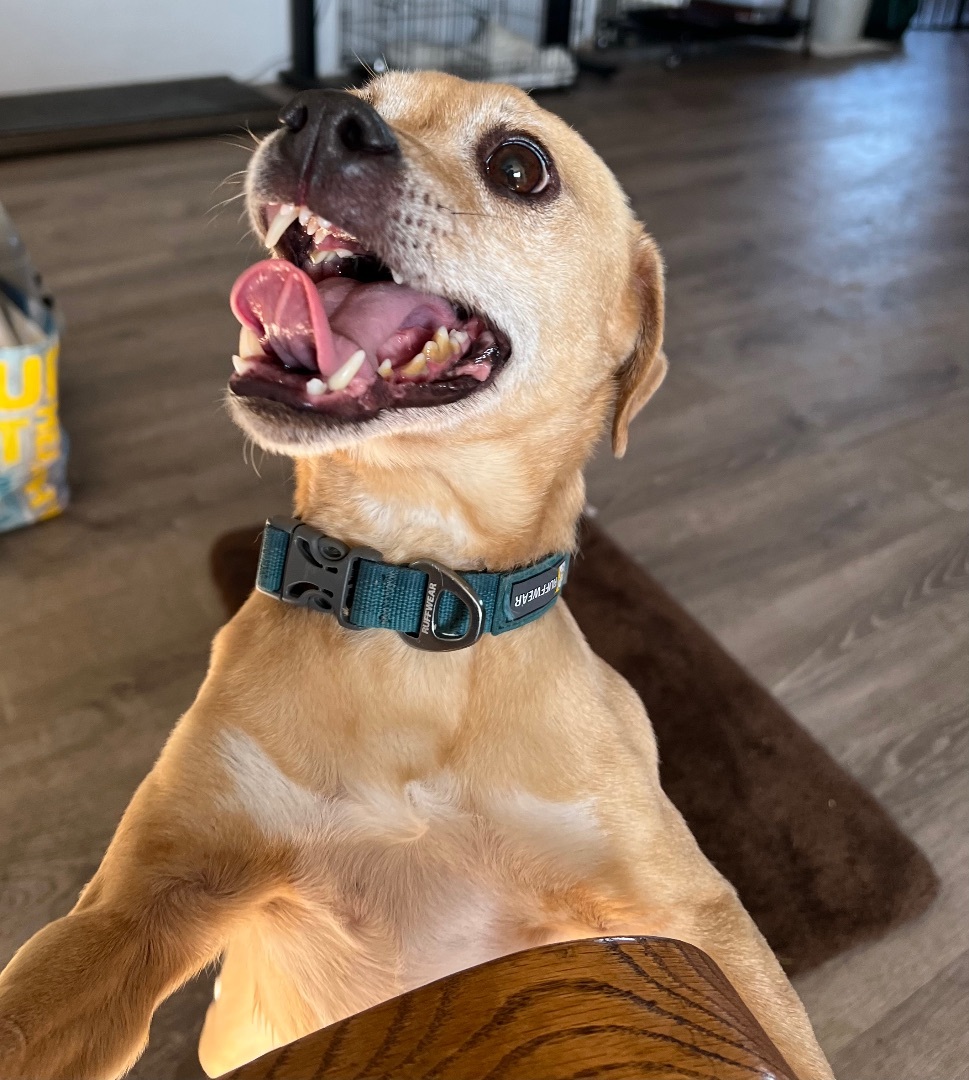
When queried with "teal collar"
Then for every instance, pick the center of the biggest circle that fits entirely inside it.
(429, 605)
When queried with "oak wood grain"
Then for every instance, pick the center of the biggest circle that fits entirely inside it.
(621, 1008)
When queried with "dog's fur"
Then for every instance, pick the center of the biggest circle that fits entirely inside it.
(342, 817)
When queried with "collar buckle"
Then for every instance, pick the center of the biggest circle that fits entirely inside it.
(319, 571)
(441, 580)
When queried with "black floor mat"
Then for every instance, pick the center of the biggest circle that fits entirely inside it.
(138, 112)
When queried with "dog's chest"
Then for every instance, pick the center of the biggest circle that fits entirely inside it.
(417, 878)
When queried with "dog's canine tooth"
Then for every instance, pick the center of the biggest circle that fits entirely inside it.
(285, 216)
(316, 387)
(340, 378)
(249, 344)
(240, 365)
(415, 367)
(386, 369)
(398, 278)
(432, 351)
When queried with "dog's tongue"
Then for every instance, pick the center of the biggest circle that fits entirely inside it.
(322, 326)
(280, 304)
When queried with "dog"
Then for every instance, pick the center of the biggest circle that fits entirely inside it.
(460, 301)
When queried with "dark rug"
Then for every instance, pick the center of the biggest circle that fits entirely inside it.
(817, 862)
(60, 120)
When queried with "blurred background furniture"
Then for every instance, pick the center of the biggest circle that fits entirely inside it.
(512, 41)
(941, 15)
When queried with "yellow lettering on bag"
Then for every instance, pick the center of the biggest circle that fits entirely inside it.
(41, 494)
(47, 434)
(11, 450)
(50, 372)
(29, 394)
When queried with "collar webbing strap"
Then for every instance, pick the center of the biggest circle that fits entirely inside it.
(431, 606)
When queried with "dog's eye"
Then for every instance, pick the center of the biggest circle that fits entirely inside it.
(519, 167)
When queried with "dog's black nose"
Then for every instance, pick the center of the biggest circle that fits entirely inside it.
(329, 130)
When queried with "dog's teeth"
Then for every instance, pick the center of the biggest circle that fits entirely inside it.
(341, 378)
(316, 387)
(386, 369)
(317, 256)
(305, 213)
(249, 344)
(432, 351)
(342, 253)
(454, 341)
(415, 367)
(398, 278)
(443, 341)
(285, 216)
(241, 366)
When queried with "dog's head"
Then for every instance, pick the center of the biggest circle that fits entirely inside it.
(446, 252)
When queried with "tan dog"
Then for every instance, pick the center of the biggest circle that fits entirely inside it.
(339, 815)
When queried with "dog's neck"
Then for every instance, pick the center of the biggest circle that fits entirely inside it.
(481, 504)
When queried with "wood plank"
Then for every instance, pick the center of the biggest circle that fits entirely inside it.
(934, 1037)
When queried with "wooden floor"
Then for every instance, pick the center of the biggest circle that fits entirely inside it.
(801, 482)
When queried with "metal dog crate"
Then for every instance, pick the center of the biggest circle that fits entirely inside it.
(941, 15)
(494, 40)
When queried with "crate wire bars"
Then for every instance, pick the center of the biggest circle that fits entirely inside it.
(493, 40)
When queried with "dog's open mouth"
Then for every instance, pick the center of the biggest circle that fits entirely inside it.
(328, 328)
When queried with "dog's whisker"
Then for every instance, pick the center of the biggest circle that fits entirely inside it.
(230, 140)
(466, 213)
(414, 141)
(366, 67)
(214, 211)
(252, 135)
(237, 177)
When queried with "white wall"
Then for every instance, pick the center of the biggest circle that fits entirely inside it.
(58, 44)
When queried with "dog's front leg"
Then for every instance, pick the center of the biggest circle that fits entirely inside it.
(686, 898)
(77, 999)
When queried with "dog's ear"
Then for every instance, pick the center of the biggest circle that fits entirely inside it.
(643, 370)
